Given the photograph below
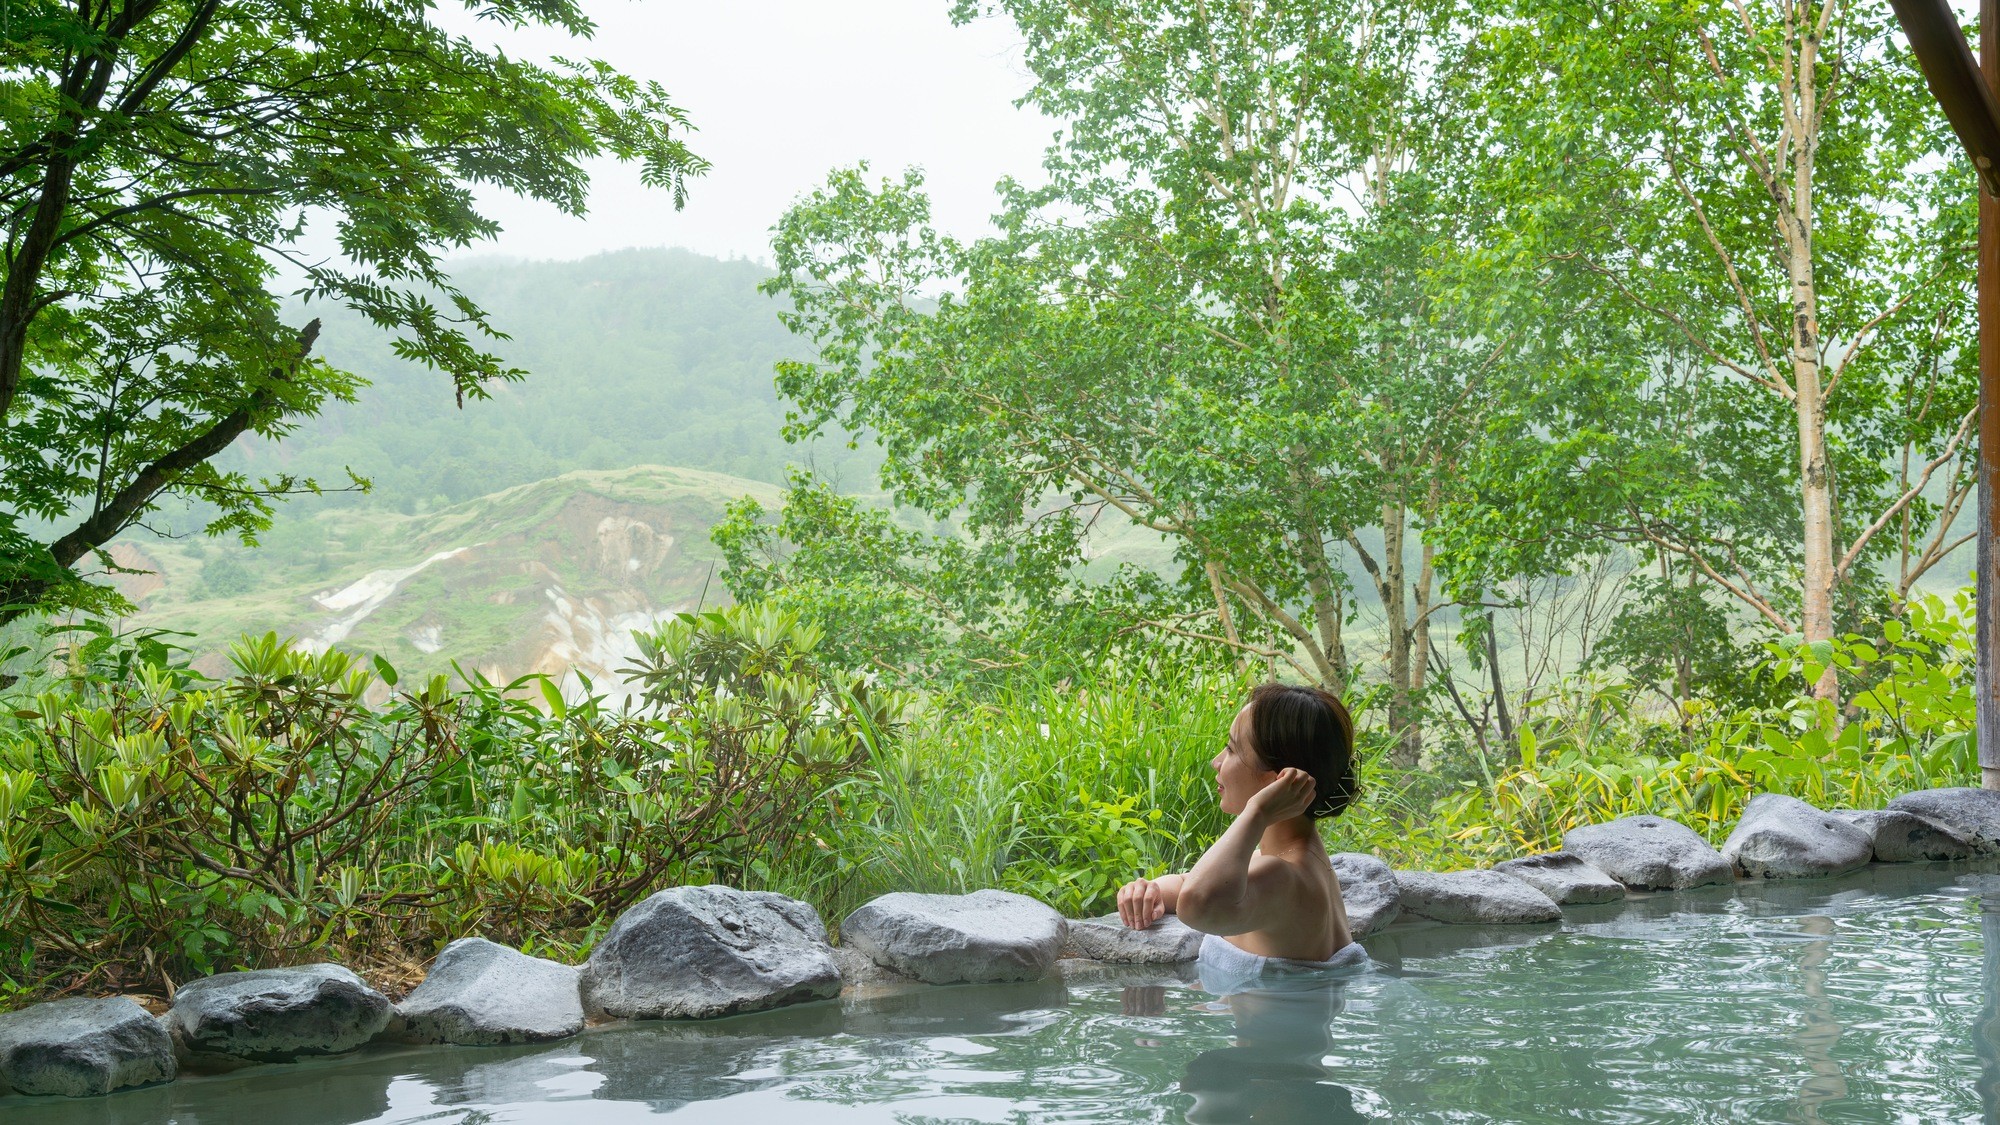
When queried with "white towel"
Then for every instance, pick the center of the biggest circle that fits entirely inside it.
(1226, 969)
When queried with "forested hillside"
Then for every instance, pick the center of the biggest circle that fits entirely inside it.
(643, 357)
(646, 358)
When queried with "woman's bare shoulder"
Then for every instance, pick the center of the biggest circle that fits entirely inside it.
(1294, 874)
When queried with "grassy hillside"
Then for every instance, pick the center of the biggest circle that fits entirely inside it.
(540, 577)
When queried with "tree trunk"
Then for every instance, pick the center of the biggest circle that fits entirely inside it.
(20, 594)
(1420, 633)
(1404, 724)
(1327, 610)
(1815, 476)
(1228, 620)
(1327, 607)
(1500, 712)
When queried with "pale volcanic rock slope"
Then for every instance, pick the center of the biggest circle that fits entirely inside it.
(550, 577)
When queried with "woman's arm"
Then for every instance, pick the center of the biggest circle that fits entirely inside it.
(1143, 902)
(1224, 894)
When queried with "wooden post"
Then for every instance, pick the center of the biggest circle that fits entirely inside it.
(1969, 93)
(1986, 589)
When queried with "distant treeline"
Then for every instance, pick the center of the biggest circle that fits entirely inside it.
(638, 357)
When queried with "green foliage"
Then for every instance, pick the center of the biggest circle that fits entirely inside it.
(163, 162)
(226, 577)
(939, 610)
(1206, 324)
(1586, 755)
(155, 824)
(1675, 639)
(168, 825)
(1057, 789)
(1087, 848)
(1760, 235)
(159, 824)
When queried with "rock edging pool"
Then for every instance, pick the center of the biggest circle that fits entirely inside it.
(751, 953)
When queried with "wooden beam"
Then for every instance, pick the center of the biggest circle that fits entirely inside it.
(1955, 80)
(1964, 89)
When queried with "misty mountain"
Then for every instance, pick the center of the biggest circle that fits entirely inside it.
(638, 357)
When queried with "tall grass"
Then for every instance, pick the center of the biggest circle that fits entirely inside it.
(1060, 790)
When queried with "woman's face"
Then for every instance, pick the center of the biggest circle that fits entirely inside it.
(1239, 772)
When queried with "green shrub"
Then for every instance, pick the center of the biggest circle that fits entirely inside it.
(158, 824)
(155, 823)
(1585, 757)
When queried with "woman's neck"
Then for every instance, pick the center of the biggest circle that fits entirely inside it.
(1288, 836)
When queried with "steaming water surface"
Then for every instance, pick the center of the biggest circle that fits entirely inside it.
(1873, 998)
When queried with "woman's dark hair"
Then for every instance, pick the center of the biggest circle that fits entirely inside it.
(1307, 728)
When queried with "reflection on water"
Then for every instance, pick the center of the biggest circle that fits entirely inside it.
(1818, 1030)
(1275, 1069)
(1848, 1000)
(1986, 1032)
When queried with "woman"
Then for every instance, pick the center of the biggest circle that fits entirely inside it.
(1265, 893)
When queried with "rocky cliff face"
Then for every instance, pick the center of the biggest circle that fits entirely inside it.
(549, 578)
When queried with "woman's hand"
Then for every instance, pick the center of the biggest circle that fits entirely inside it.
(1141, 903)
(1290, 794)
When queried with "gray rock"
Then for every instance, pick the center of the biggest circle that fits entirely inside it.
(1972, 813)
(1782, 837)
(857, 969)
(1905, 837)
(1368, 891)
(481, 993)
(1474, 898)
(698, 952)
(1565, 878)
(1649, 853)
(82, 1048)
(948, 939)
(275, 1015)
(1166, 942)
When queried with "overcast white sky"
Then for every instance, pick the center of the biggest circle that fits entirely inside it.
(783, 91)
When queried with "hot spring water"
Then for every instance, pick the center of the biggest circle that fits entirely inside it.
(1869, 998)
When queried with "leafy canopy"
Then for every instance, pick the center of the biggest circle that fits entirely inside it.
(162, 163)
(1235, 315)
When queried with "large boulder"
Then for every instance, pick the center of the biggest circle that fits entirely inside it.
(1474, 898)
(859, 971)
(1368, 892)
(480, 993)
(275, 1015)
(697, 952)
(948, 939)
(81, 1048)
(1972, 813)
(1564, 877)
(1168, 941)
(1649, 853)
(1904, 837)
(1782, 837)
